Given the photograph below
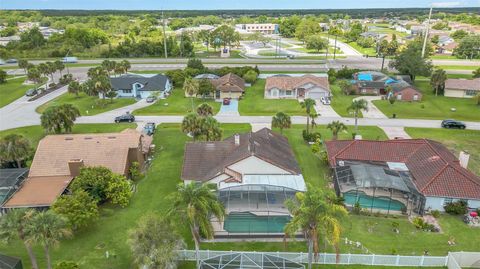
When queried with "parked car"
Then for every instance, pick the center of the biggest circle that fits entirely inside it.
(71, 60)
(226, 101)
(151, 99)
(325, 100)
(453, 124)
(149, 128)
(31, 92)
(125, 118)
(11, 61)
(2, 62)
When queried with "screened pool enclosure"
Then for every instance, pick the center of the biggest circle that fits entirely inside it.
(257, 204)
(248, 261)
(386, 188)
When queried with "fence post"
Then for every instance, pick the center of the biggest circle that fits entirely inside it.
(447, 258)
(349, 258)
(397, 262)
(208, 253)
(422, 260)
(373, 259)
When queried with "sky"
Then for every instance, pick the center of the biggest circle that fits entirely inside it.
(226, 4)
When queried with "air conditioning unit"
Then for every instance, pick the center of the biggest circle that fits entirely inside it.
(341, 163)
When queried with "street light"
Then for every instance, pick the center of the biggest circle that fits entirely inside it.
(427, 29)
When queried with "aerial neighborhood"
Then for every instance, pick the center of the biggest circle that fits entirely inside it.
(208, 136)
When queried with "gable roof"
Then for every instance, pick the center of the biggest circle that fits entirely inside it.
(462, 84)
(290, 83)
(229, 83)
(154, 83)
(204, 160)
(436, 171)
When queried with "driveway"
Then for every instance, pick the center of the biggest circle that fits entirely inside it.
(325, 110)
(373, 112)
(395, 132)
(229, 110)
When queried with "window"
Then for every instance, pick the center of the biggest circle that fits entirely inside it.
(364, 90)
(289, 93)
(127, 91)
(399, 97)
(470, 92)
(415, 97)
(447, 200)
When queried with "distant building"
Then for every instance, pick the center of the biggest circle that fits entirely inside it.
(7, 39)
(462, 88)
(141, 86)
(264, 28)
(377, 83)
(195, 29)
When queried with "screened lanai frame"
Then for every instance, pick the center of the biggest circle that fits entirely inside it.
(382, 183)
(249, 261)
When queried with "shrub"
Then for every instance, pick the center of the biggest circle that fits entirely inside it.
(332, 75)
(66, 265)
(435, 213)
(356, 208)
(346, 73)
(250, 76)
(176, 76)
(421, 224)
(456, 208)
(65, 79)
(51, 85)
(311, 137)
(195, 63)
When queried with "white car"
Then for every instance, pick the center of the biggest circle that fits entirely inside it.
(325, 100)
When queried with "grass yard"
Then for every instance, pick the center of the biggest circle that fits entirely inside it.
(340, 101)
(455, 140)
(254, 103)
(362, 50)
(12, 90)
(458, 67)
(36, 132)
(87, 104)
(432, 107)
(176, 104)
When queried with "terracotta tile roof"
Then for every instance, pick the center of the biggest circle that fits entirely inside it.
(462, 84)
(229, 83)
(436, 171)
(205, 160)
(39, 191)
(290, 83)
(108, 149)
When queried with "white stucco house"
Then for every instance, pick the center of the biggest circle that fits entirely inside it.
(253, 174)
(307, 86)
(141, 86)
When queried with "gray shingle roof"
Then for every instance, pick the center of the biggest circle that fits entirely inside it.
(155, 83)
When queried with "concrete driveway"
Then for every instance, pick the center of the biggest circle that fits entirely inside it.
(373, 112)
(325, 110)
(229, 110)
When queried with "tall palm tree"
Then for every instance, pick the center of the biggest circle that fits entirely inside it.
(194, 204)
(313, 213)
(155, 243)
(74, 87)
(109, 65)
(211, 129)
(356, 106)
(15, 148)
(205, 110)
(281, 121)
(47, 229)
(102, 84)
(51, 69)
(23, 64)
(60, 66)
(125, 65)
(437, 80)
(309, 106)
(13, 226)
(43, 69)
(57, 118)
(313, 115)
(190, 86)
(95, 72)
(192, 125)
(336, 127)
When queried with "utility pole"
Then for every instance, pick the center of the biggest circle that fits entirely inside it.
(427, 29)
(335, 48)
(164, 36)
(328, 45)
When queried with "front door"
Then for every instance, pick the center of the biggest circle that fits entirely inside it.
(301, 93)
(217, 94)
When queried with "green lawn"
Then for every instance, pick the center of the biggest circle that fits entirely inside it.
(340, 101)
(12, 90)
(458, 67)
(254, 103)
(176, 104)
(432, 107)
(455, 140)
(362, 50)
(87, 104)
(36, 132)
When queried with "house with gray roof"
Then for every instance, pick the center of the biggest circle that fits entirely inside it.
(141, 86)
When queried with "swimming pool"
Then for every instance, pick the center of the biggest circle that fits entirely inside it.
(366, 201)
(245, 222)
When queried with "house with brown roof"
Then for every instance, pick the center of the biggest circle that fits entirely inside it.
(378, 83)
(253, 173)
(462, 88)
(307, 86)
(227, 86)
(59, 158)
(406, 175)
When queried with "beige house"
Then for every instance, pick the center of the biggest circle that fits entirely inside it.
(264, 28)
(307, 86)
(462, 88)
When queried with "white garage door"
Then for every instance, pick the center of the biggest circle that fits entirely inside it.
(316, 95)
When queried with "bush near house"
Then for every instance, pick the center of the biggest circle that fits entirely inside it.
(456, 208)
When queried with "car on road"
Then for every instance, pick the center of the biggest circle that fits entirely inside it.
(127, 117)
(70, 60)
(453, 124)
(11, 61)
(31, 92)
(226, 101)
(149, 128)
(150, 99)
(325, 100)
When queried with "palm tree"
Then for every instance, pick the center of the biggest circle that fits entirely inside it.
(34, 74)
(191, 124)
(95, 72)
(356, 106)
(23, 64)
(211, 129)
(336, 127)
(315, 212)
(190, 86)
(51, 69)
(47, 229)
(74, 87)
(43, 69)
(60, 66)
(15, 148)
(13, 226)
(437, 80)
(109, 65)
(475, 73)
(125, 65)
(102, 84)
(281, 121)
(205, 110)
(57, 118)
(476, 98)
(155, 243)
(313, 116)
(309, 106)
(194, 204)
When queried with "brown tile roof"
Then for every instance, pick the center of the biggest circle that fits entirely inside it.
(229, 83)
(462, 84)
(205, 160)
(436, 171)
(108, 149)
(290, 83)
(39, 191)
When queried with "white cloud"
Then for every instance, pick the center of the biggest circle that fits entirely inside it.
(446, 4)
